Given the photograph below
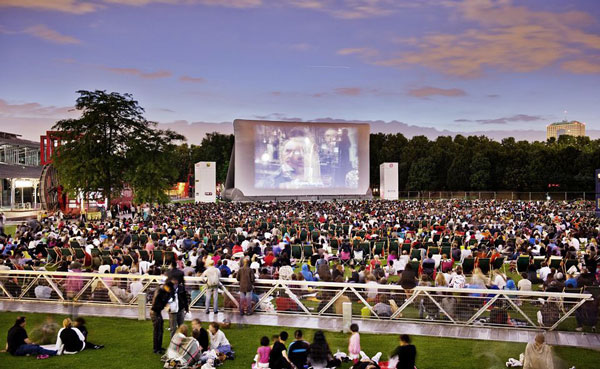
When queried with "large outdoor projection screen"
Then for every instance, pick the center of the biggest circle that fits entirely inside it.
(301, 158)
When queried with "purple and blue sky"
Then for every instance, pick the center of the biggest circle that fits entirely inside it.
(452, 65)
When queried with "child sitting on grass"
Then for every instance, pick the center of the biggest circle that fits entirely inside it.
(354, 343)
(263, 353)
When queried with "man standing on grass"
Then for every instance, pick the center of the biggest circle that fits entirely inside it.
(246, 278)
(159, 302)
(178, 306)
(211, 276)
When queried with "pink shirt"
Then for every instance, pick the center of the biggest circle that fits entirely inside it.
(263, 354)
(354, 345)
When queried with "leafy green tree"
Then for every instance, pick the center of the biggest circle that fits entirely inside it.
(480, 172)
(422, 175)
(97, 149)
(152, 171)
(215, 147)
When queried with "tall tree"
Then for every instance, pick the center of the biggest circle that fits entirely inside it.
(97, 147)
(152, 170)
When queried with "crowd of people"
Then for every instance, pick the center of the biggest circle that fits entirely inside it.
(206, 349)
(411, 242)
(300, 354)
(454, 243)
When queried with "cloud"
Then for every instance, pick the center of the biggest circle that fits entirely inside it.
(364, 52)
(343, 9)
(45, 33)
(355, 9)
(349, 91)
(138, 73)
(505, 120)
(499, 36)
(492, 96)
(582, 66)
(301, 46)
(426, 91)
(32, 127)
(192, 79)
(165, 110)
(85, 6)
(338, 91)
(65, 6)
(279, 117)
(34, 109)
(329, 66)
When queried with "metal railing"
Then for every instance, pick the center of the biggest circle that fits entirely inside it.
(497, 195)
(459, 307)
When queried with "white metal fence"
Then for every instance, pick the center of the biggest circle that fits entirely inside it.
(459, 307)
(497, 195)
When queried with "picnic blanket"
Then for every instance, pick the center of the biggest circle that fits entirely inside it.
(183, 351)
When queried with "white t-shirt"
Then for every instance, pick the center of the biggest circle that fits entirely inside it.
(174, 303)
(524, 285)
(136, 287)
(217, 339)
(500, 282)
(544, 271)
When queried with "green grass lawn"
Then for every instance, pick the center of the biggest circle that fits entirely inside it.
(129, 345)
(10, 229)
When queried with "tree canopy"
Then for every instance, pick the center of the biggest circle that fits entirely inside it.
(112, 145)
(457, 163)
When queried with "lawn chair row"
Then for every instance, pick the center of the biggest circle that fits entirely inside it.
(554, 262)
(160, 257)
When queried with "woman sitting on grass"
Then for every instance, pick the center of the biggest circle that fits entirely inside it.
(69, 340)
(183, 350)
(319, 353)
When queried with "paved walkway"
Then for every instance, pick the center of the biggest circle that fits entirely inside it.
(17, 216)
(575, 339)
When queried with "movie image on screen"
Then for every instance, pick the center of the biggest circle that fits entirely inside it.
(303, 157)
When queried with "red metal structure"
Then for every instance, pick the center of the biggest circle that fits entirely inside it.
(53, 196)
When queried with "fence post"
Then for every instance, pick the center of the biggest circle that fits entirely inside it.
(74, 310)
(530, 196)
(141, 300)
(346, 316)
(565, 196)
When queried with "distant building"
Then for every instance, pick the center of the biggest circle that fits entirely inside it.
(19, 172)
(573, 128)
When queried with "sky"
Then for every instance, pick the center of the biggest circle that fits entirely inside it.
(447, 65)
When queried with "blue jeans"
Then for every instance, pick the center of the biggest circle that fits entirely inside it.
(33, 349)
(214, 292)
(246, 302)
(224, 349)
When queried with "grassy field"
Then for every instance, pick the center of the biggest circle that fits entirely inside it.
(10, 229)
(129, 345)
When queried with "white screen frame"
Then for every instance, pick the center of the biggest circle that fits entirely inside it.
(244, 132)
